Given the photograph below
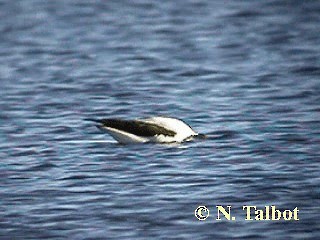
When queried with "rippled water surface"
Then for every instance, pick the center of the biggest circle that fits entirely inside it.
(247, 73)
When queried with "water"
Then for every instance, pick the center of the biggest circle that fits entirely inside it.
(244, 72)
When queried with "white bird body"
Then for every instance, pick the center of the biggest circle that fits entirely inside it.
(124, 137)
(154, 129)
(183, 131)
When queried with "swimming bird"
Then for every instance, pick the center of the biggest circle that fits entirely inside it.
(154, 129)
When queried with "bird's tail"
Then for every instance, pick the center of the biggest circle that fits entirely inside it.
(92, 120)
(97, 121)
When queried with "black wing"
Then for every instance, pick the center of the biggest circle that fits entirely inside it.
(136, 127)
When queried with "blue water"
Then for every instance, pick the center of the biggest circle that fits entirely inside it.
(246, 73)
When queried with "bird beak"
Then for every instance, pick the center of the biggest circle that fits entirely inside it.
(202, 136)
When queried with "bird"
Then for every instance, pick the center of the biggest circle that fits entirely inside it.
(157, 129)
